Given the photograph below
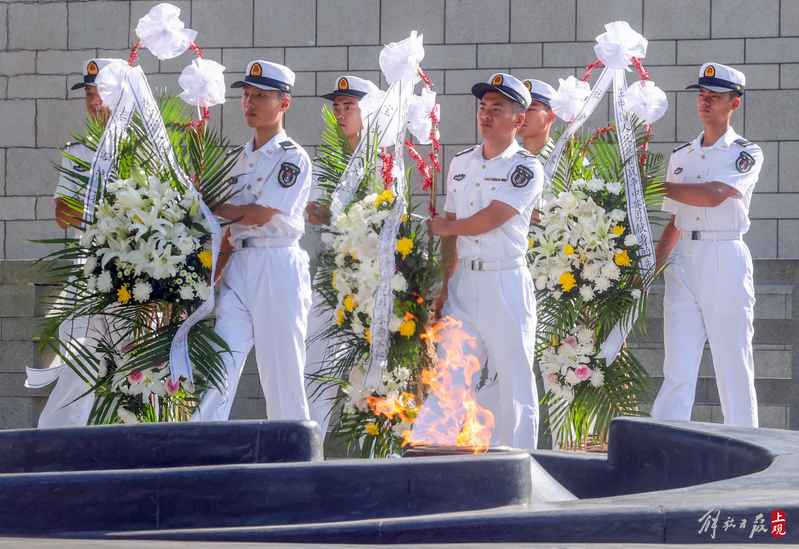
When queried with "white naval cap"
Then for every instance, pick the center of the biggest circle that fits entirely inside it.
(266, 75)
(351, 86)
(540, 91)
(91, 68)
(720, 78)
(506, 84)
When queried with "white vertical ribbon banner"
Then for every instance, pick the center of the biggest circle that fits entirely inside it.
(137, 95)
(383, 307)
(356, 167)
(597, 93)
(636, 209)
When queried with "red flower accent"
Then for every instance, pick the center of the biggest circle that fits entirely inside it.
(590, 68)
(388, 168)
(134, 53)
(639, 67)
(421, 165)
(196, 49)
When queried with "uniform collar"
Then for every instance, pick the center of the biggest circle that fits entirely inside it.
(271, 145)
(507, 154)
(725, 140)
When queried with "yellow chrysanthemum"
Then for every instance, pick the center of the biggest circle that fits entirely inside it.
(405, 218)
(407, 328)
(568, 249)
(123, 294)
(531, 242)
(404, 246)
(622, 259)
(386, 197)
(372, 429)
(340, 316)
(350, 303)
(367, 335)
(567, 281)
(205, 258)
(617, 230)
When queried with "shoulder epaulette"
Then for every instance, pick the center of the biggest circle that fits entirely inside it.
(675, 149)
(525, 153)
(236, 150)
(287, 145)
(464, 151)
(743, 142)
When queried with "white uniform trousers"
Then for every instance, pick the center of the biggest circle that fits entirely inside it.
(709, 295)
(320, 400)
(68, 404)
(264, 301)
(498, 308)
(65, 406)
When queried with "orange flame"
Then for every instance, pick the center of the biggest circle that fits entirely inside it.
(451, 415)
(403, 406)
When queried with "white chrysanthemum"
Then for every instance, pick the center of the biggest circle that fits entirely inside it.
(102, 367)
(630, 240)
(104, 282)
(597, 378)
(142, 291)
(186, 293)
(89, 265)
(394, 324)
(614, 187)
(587, 293)
(398, 283)
(617, 215)
(126, 416)
(203, 291)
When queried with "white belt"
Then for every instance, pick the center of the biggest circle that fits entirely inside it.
(257, 242)
(476, 264)
(710, 235)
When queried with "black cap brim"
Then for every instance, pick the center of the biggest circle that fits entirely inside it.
(481, 88)
(262, 83)
(344, 93)
(80, 85)
(717, 85)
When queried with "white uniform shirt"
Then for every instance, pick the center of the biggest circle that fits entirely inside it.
(66, 188)
(731, 160)
(515, 178)
(277, 175)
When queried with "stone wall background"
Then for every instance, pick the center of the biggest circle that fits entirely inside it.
(44, 43)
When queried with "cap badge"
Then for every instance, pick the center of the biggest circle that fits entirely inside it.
(92, 69)
(528, 85)
(343, 84)
(497, 80)
(256, 70)
(710, 71)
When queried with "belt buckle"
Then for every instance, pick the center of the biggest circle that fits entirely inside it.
(476, 265)
(696, 235)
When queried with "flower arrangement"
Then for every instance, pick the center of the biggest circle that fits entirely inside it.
(148, 243)
(585, 263)
(378, 407)
(139, 269)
